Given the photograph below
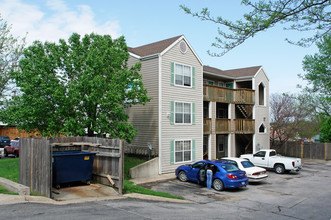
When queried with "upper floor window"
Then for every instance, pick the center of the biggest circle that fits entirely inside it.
(261, 94)
(182, 113)
(183, 75)
(262, 128)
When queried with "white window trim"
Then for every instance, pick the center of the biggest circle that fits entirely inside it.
(176, 140)
(221, 84)
(264, 93)
(183, 86)
(183, 114)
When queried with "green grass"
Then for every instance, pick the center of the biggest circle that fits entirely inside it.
(130, 162)
(129, 187)
(9, 169)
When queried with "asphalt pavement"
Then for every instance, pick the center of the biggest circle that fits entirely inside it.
(303, 195)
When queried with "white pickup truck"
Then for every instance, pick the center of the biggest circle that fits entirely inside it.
(269, 159)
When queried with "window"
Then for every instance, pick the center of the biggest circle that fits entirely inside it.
(247, 164)
(260, 154)
(182, 151)
(229, 85)
(221, 84)
(198, 165)
(210, 82)
(183, 75)
(261, 94)
(262, 128)
(182, 113)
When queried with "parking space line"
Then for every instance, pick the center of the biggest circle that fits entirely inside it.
(184, 185)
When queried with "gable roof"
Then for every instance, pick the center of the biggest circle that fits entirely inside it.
(153, 48)
(234, 73)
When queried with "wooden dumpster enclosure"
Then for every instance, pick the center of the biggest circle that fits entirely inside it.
(35, 168)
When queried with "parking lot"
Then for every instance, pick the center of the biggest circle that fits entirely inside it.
(304, 195)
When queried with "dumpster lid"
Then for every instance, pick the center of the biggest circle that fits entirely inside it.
(71, 153)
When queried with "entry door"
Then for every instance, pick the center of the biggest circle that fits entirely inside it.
(221, 145)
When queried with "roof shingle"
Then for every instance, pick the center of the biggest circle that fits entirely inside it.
(153, 48)
(241, 72)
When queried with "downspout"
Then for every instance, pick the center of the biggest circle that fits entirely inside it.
(160, 113)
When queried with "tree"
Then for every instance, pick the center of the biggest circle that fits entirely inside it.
(11, 49)
(304, 15)
(290, 118)
(318, 90)
(77, 87)
(325, 132)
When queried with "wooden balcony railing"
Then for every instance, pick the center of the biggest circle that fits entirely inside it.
(221, 94)
(244, 126)
(244, 96)
(217, 94)
(222, 125)
(207, 125)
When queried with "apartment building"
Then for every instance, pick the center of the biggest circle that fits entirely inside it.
(196, 109)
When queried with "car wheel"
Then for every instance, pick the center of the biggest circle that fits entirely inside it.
(279, 169)
(5, 153)
(15, 153)
(182, 176)
(218, 185)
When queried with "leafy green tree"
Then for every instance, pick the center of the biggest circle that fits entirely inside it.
(11, 49)
(317, 93)
(325, 132)
(318, 75)
(301, 15)
(78, 87)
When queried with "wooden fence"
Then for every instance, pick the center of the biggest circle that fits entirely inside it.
(36, 160)
(308, 150)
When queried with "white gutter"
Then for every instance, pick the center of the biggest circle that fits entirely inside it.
(160, 114)
(228, 77)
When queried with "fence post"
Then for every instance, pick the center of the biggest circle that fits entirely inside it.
(301, 150)
(325, 152)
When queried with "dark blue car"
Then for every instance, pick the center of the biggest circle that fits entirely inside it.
(225, 175)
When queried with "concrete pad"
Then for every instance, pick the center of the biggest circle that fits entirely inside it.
(86, 191)
(15, 187)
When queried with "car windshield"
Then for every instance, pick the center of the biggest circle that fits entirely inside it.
(230, 167)
(247, 164)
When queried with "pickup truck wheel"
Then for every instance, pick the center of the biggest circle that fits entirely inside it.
(5, 153)
(16, 154)
(279, 169)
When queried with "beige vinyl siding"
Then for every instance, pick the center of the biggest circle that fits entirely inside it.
(261, 112)
(145, 117)
(180, 94)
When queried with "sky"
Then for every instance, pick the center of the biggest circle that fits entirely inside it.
(146, 21)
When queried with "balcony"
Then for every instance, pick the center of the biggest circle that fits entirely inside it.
(244, 126)
(222, 126)
(221, 94)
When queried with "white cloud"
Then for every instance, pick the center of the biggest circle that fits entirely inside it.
(53, 21)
